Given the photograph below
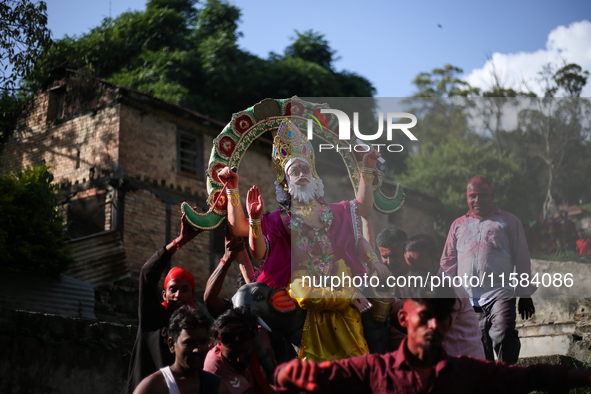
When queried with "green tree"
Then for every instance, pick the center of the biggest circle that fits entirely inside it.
(450, 150)
(24, 40)
(32, 233)
(440, 117)
(24, 37)
(554, 128)
(313, 47)
(550, 143)
(443, 82)
(546, 156)
(184, 7)
(219, 17)
(500, 99)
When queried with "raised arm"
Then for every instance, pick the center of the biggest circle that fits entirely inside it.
(365, 193)
(256, 208)
(186, 235)
(211, 296)
(149, 297)
(236, 218)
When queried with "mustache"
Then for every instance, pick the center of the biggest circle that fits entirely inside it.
(306, 177)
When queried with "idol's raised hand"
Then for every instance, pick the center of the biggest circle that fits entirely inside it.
(254, 203)
(227, 175)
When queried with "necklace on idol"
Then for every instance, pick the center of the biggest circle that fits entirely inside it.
(308, 210)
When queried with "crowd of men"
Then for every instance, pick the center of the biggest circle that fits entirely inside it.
(450, 339)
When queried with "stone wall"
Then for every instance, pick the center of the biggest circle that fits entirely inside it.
(53, 354)
(562, 322)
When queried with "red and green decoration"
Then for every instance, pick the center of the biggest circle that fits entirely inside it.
(232, 143)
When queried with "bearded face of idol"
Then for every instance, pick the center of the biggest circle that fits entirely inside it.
(302, 185)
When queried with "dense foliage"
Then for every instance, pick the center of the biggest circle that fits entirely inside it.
(32, 233)
(24, 37)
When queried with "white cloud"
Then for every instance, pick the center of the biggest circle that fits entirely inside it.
(571, 44)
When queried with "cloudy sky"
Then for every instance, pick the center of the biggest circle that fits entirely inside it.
(571, 44)
(390, 42)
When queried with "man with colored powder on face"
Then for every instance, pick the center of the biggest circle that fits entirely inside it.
(151, 351)
(489, 244)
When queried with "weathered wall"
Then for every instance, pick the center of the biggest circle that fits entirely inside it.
(562, 322)
(148, 148)
(85, 138)
(53, 354)
(145, 229)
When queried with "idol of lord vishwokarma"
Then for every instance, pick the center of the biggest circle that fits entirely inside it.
(307, 237)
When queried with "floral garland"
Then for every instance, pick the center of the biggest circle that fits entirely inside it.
(317, 264)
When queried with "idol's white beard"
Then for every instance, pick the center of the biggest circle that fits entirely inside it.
(305, 194)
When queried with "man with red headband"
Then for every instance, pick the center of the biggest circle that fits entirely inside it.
(151, 351)
(488, 244)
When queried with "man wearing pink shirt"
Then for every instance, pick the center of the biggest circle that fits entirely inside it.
(484, 247)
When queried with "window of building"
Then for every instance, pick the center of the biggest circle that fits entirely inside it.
(190, 154)
(86, 216)
(55, 108)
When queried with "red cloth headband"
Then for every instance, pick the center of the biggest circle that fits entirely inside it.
(178, 272)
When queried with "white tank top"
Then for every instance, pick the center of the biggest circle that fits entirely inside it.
(170, 382)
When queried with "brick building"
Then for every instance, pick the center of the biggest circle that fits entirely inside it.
(125, 160)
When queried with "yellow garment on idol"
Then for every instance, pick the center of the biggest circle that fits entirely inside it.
(333, 328)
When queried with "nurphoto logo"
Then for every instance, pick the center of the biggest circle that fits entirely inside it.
(345, 130)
